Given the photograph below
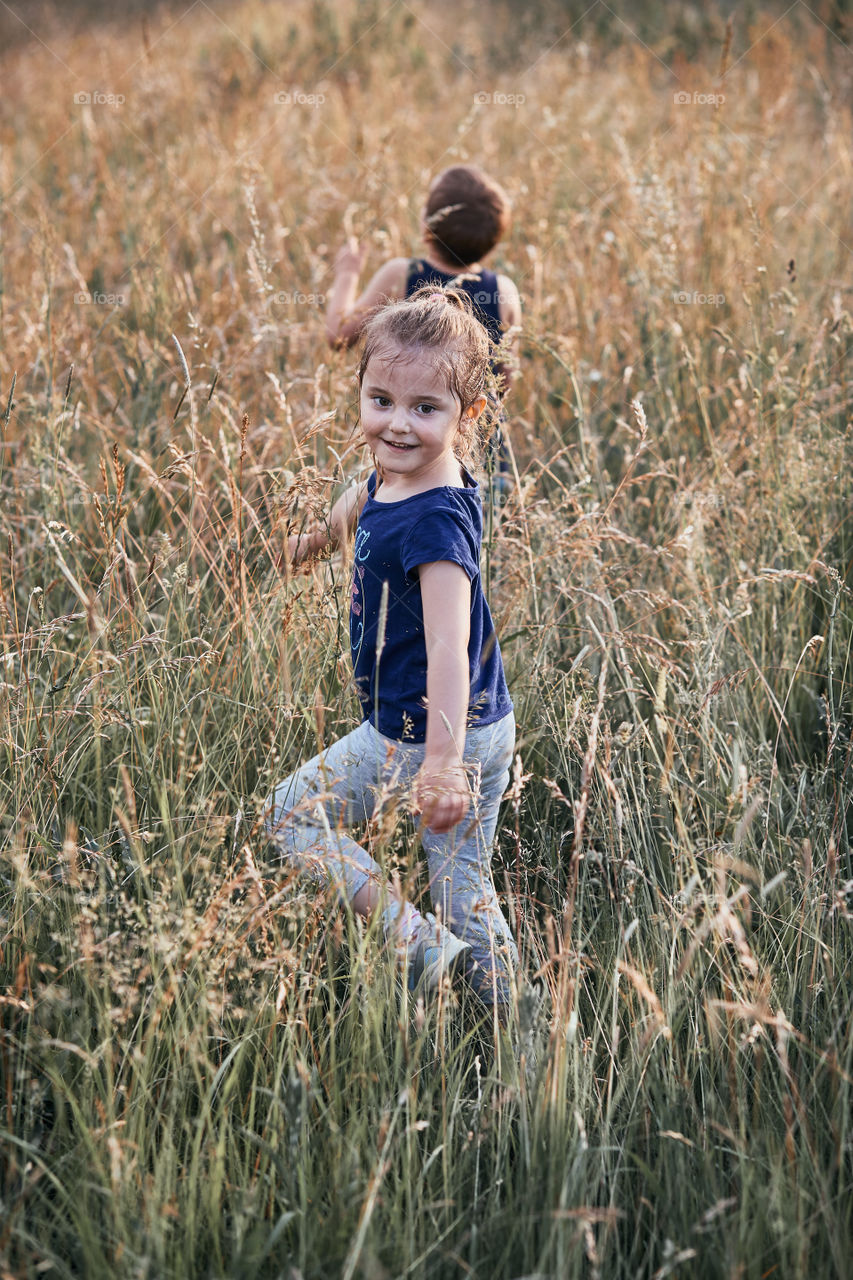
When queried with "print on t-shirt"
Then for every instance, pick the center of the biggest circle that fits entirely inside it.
(361, 554)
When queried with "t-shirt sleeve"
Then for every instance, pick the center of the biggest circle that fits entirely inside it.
(441, 535)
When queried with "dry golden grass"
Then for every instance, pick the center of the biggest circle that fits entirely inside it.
(205, 1071)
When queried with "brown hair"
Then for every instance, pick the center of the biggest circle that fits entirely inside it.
(441, 322)
(466, 214)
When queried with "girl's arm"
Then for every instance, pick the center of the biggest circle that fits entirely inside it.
(342, 521)
(441, 787)
(346, 312)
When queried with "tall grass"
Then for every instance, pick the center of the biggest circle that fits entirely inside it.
(208, 1071)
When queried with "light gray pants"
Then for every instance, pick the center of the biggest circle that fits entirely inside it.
(365, 773)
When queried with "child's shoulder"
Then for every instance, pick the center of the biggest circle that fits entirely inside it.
(390, 279)
(457, 505)
(509, 300)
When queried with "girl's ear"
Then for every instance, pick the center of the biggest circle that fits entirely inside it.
(475, 408)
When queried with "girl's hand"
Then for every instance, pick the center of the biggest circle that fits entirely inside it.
(350, 258)
(441, 795)
(302, 546)
(319, 537)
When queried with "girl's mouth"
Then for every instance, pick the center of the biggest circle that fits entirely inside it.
(393, 444)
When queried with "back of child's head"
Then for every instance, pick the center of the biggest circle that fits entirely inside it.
(466, 214)
(439, 324)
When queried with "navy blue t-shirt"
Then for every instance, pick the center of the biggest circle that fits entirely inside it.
(391, 541)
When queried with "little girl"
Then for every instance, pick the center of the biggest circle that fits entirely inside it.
(438, 722)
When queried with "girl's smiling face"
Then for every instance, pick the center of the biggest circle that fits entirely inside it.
(410, 419)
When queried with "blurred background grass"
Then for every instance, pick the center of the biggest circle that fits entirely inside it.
(204, 1070)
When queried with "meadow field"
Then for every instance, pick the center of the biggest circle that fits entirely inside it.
(206, 1070)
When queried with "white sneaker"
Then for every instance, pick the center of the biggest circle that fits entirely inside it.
(436, 954)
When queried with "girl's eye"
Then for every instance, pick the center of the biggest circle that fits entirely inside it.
(382, 401)
(426, 409)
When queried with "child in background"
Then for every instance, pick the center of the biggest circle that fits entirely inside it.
(438, 722)
(466, 215)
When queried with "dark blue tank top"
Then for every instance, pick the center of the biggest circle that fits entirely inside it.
(481, 287)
